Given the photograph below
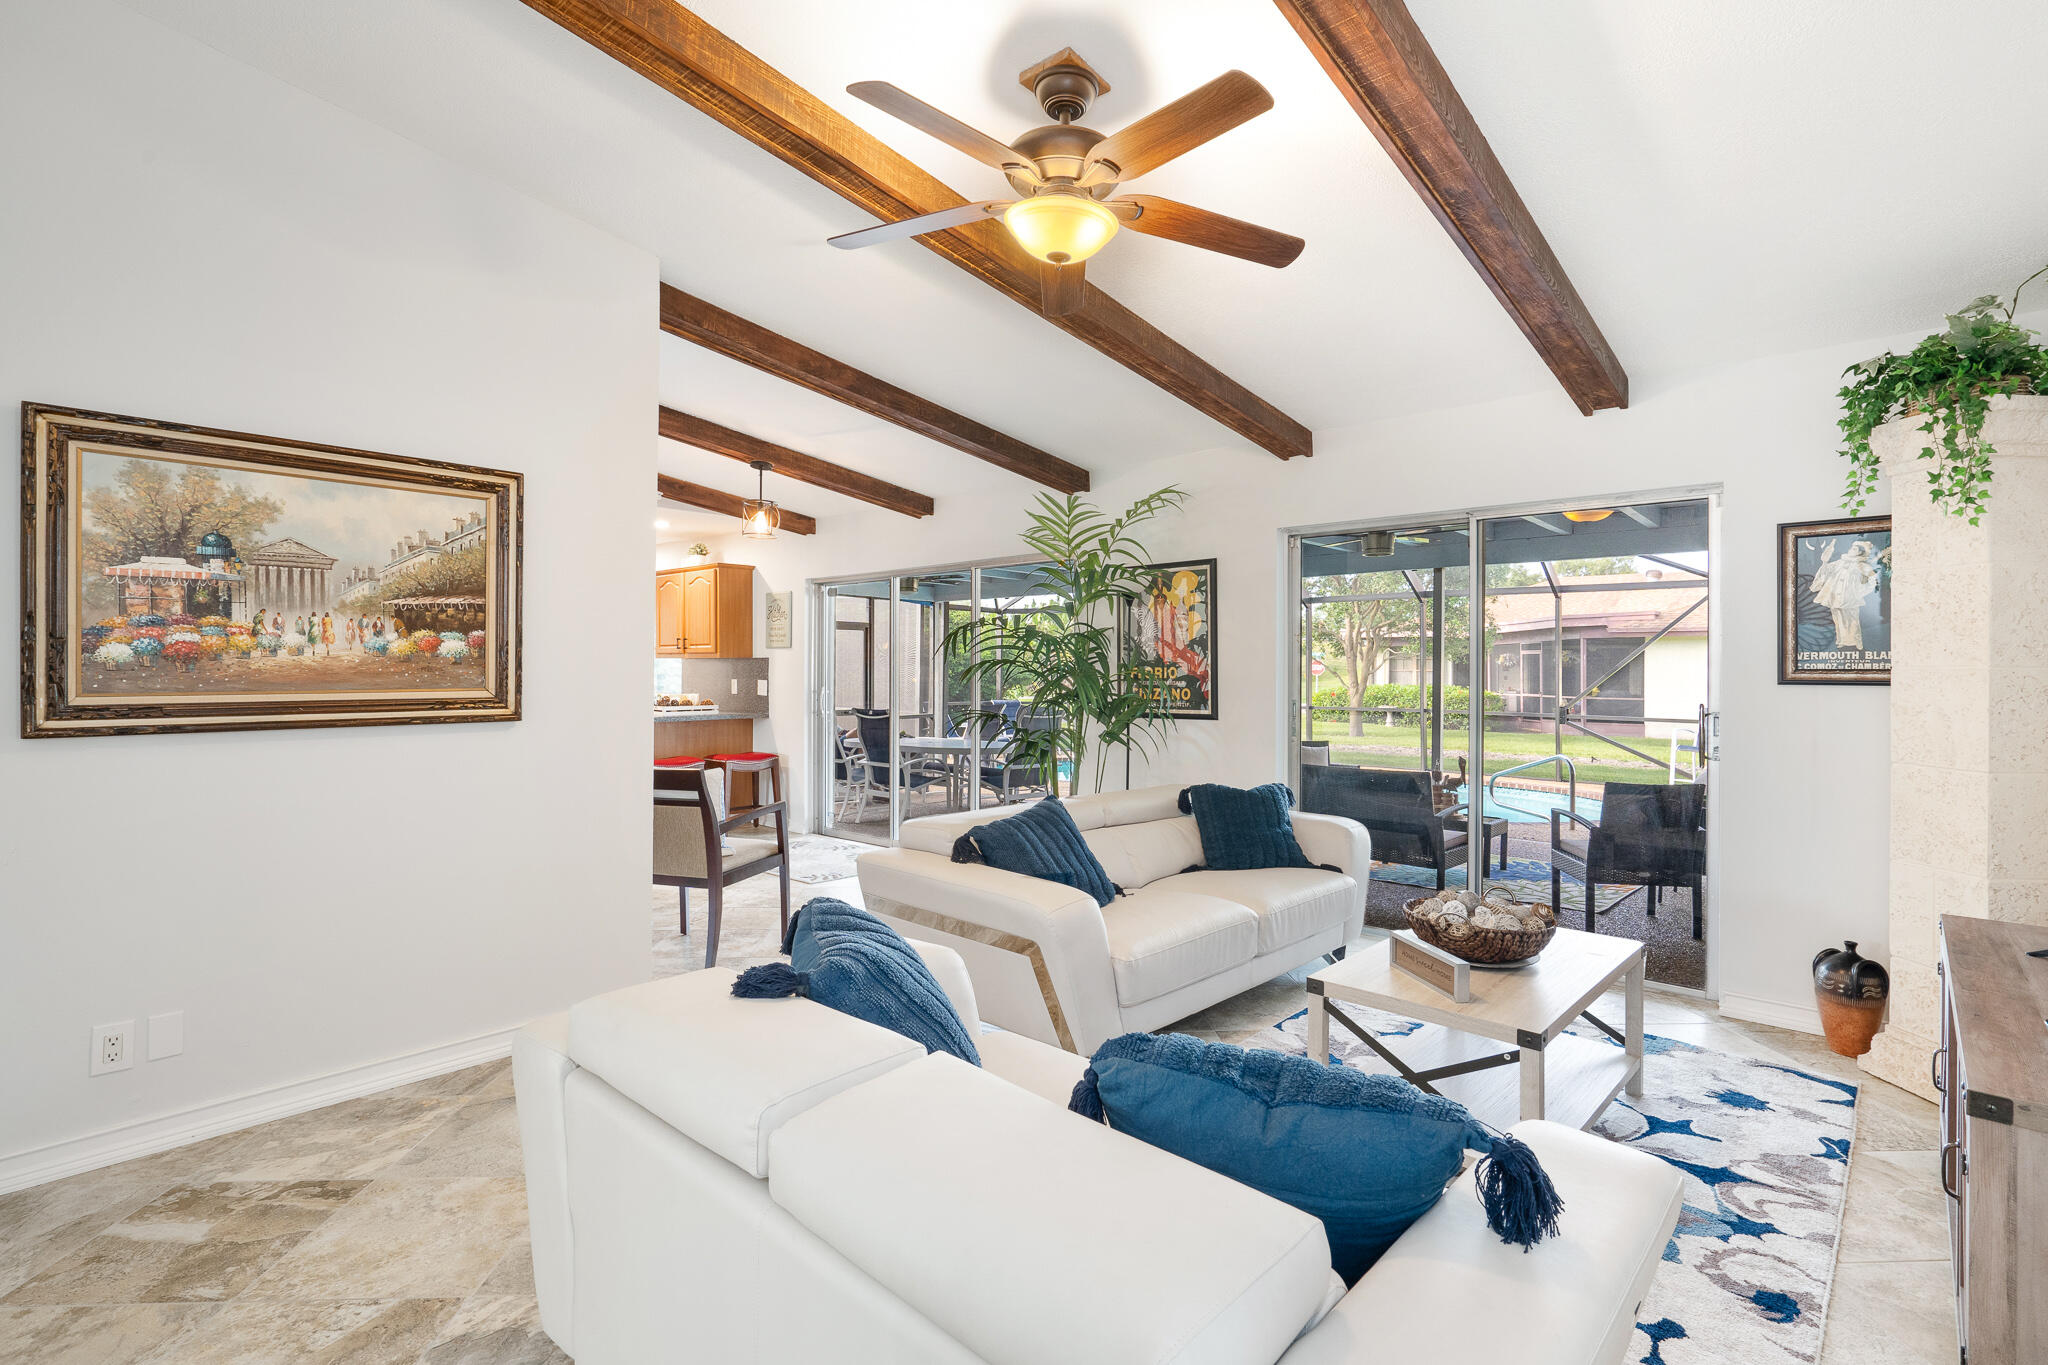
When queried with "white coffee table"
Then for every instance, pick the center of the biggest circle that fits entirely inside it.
(1554, 1075)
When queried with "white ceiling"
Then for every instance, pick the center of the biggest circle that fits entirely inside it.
(1721, 182)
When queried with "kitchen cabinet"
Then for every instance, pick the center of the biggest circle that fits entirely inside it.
(705, 611)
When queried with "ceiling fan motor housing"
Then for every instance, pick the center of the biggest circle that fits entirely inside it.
(1063, 84)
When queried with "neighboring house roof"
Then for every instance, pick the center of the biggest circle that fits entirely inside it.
(1631, 612)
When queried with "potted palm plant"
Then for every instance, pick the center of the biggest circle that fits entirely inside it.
(1950, 377)
(1064, 656)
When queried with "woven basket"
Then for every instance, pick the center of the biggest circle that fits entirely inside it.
(2023, 385)
(1494, 946)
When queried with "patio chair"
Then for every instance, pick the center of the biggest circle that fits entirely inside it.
(691, 848)
(1653, 836)
(917, 775)
(1395, 804)
(1012, 777)
(849, 771)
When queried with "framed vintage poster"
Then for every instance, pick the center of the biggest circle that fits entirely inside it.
(178, 578)
(1834, 601)
(1170, 631)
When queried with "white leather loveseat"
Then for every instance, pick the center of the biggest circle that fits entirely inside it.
(1048, 963)
(712, 1179)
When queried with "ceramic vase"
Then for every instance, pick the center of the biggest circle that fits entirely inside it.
(1851, 991)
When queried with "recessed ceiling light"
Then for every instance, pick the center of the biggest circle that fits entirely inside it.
(660, 525)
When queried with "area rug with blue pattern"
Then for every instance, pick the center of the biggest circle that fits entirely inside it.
(1764, 1152)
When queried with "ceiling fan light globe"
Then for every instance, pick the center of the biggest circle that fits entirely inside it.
(1061, 229)
(1590, 514)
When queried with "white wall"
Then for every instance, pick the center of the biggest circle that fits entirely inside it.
(1800, 801)
(184, 238)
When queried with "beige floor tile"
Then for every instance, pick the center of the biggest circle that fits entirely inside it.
(346, 1141)
(193, 1244)
(1891, 1313)
(49, 1222)
(1895, 1210)
(481, 1138)
(452, 1085)
(513, 1276)
(94, 1336)
(495, 1330)
(406, 1238)
(266, 1332)
(1889, 1119)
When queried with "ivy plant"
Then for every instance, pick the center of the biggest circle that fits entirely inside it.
(1949, 377)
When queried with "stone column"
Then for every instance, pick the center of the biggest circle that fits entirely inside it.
(1969, 736)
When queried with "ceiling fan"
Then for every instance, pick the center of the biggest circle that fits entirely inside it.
(1067, 174)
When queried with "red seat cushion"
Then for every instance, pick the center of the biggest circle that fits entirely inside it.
(740, 758)
(679, 761)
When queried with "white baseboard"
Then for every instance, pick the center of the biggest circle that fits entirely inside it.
(146, 1137)
(1804, 1018)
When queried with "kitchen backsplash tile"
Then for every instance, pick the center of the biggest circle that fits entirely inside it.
(713, 679)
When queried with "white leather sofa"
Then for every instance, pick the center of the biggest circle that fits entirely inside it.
(712, 1179)
(1050, 964)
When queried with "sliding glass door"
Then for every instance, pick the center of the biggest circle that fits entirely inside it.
(905, 727)
(1590, 644)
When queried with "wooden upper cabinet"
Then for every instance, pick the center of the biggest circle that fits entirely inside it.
(668, 613)
(705, 611)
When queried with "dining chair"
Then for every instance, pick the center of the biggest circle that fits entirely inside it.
(692, 849)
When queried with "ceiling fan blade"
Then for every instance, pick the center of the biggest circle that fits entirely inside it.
(947, 129)
(1187, 123)
(1178, 222)
(1061, 288)
(918, 226)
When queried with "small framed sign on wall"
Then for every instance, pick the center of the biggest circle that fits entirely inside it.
(1835, 601)
(780, 605)
(1171, 633)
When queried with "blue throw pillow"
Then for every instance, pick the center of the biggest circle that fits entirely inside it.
(1367, 1154)
(1245, 827)
(846, 959)
(1042, 841)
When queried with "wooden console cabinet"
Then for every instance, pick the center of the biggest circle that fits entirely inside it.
(1992, 1072)
(705, 611)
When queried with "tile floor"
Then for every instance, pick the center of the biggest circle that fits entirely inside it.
(393, 1228)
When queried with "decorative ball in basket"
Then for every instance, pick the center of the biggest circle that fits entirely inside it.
(1492, 930)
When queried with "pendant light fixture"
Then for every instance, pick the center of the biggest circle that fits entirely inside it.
(1590, 514)
(758, 516)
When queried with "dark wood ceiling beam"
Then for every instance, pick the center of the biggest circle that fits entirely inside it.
(732, 336)
(711, 500)
(737, 445)
(678, 51)
(1385, 68)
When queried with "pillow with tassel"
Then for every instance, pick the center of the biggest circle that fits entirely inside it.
(846, 959)
(1367, 1154)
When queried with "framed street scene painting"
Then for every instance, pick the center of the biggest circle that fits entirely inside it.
(1835, 601)
(1171, 634)
(181, 578)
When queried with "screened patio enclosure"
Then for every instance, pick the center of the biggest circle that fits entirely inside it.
(905, 731)
(1592, 732)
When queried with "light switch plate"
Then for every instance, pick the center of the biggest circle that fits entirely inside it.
(735, 687)
(761, 687)
(166, 1035)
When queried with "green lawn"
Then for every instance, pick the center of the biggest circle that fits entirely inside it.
(1397, 747)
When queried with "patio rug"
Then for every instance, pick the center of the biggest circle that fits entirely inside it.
(1764, 1152)
(1525, 879)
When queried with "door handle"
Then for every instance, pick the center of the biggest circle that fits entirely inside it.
(1934, 1069)
(1947, 1187)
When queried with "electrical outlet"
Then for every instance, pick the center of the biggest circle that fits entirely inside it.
(166, 1035)
(761, 687)
(735, 687)
(110, 1047)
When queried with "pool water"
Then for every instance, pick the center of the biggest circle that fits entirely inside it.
(1521, 807)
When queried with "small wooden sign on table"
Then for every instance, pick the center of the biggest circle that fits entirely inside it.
(1433, 966)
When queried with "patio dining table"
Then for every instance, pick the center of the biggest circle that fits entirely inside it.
(950, 748)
